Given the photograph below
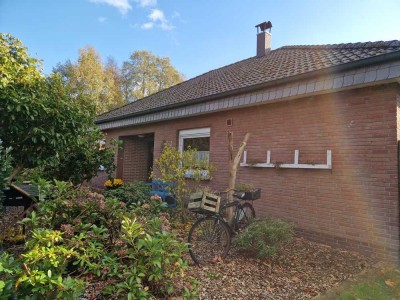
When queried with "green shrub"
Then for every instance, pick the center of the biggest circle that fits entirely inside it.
(41, 271)
(5, 166)
(5, 171)
(176, 167)
(80, 236)
(129, 193)
(264, 237)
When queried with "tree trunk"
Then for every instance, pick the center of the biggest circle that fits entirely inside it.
(233, 167)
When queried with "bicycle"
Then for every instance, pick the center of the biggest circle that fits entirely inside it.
(210, 236)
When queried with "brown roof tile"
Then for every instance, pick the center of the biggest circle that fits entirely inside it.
(281, 63)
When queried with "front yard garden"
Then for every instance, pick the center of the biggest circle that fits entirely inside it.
(124, 243)
(83, 245)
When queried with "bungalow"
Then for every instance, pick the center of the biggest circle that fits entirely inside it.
(324, 125)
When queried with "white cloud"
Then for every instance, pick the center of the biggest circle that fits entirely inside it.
(166, 26)
(146, 3)
(101, 19)
(157, 15)
(158, 18)
(148, 25)
(122, 5)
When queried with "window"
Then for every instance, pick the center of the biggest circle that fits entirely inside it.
(198, 139)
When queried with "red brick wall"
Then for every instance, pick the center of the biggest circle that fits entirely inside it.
(134, 156)
(354, 205)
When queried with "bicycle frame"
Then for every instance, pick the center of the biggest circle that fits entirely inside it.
(197, 250)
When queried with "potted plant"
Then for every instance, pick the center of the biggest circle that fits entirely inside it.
(250, 192)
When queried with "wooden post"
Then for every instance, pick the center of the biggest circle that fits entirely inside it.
(233, 167)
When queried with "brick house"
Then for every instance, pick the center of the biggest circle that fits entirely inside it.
(324, 125)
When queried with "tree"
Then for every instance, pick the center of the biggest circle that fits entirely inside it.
(100, 84)
(145, 73)
(16, 67)
(113, 73)
(234, 162)
(40, 119)
(65, 70)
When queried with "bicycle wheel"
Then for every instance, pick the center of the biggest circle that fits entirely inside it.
(209, 240)
(244, 215)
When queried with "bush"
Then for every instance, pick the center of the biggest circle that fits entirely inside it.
(129, 193)
(81, 236)
(5, 166)
(174, 166)
(264, 237)
(5, 171)
(46, 123)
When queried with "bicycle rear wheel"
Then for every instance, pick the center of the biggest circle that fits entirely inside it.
(209, 240)
(244, 216)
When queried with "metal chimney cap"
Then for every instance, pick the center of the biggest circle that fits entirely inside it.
(264, 26)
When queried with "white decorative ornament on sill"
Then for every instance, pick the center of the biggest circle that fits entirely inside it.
(294, 165)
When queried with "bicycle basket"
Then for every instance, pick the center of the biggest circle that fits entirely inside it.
(203, 202)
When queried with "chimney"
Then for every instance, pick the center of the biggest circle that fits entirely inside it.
(263, 38)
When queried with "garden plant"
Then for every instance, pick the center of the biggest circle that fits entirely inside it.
(44, 122)
(265, 237)
(185, 170)
(80, 237)
(130, 193)
(5, 166)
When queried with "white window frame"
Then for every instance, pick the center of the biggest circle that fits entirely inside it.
(190, 134)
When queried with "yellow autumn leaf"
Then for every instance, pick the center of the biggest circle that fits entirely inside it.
(390, 282)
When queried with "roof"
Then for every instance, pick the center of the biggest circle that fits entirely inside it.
(283, 63)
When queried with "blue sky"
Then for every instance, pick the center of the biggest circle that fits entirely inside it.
(198, 35)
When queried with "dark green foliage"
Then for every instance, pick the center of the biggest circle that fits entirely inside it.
(264, 237)
(129, 193)
(5, 171)
(81, 235)
(5, 166)
(43, 122)
(81, 161)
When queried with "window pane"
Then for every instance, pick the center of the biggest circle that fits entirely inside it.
(200, 144)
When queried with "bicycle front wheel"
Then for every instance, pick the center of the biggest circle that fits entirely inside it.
(244, 216)
(209, 240)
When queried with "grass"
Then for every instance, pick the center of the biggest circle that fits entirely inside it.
(382, 283)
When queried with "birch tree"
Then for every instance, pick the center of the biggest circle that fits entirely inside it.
(145, 73)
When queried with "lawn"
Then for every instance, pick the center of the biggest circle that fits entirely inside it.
(380, 283)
